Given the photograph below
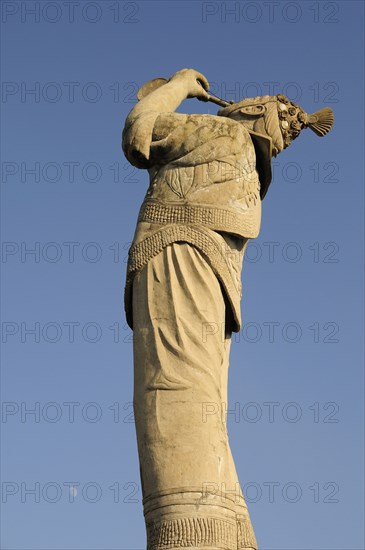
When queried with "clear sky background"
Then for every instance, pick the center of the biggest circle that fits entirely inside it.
(70, 475)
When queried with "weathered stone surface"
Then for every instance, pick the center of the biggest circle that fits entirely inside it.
(208, 176)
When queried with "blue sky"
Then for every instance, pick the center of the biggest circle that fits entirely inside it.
(70, 476)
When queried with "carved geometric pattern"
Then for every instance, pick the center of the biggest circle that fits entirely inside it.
(186, 532)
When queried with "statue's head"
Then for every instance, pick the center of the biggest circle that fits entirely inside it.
(278, 118)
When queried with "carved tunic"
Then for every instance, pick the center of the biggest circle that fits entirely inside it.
(204, 190)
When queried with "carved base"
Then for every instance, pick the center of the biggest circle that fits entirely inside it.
(185, 532)
(195, 520)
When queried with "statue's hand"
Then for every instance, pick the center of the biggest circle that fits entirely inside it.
(195, 83)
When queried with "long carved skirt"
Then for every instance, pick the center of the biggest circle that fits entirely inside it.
(191, 493)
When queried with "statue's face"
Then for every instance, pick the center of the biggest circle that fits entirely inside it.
(254, 122)
(239, 116)
(260, 115)
(274, 116)
(278, 118)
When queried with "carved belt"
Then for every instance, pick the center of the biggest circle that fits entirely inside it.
(244, 224)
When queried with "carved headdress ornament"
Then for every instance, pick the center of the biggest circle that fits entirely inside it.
(279, 118)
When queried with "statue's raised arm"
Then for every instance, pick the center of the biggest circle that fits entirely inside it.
(137, 134)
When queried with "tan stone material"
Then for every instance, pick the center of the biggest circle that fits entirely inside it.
(208, 176)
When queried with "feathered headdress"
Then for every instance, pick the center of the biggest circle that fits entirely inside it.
(293, 119)
(279, 118)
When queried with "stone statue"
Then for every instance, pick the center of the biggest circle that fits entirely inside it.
(208, 176)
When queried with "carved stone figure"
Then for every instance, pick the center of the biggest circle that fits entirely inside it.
(208, 176)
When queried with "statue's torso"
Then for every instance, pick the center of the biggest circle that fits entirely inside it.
(203, 185)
